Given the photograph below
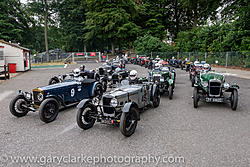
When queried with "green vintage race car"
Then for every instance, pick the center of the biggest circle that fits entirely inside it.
(211, 87)
(165, 78)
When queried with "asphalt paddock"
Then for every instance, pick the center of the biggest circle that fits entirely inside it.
(175, 132)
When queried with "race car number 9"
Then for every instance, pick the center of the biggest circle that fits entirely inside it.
(72, 92)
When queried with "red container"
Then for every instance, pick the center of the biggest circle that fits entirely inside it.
(12, 67)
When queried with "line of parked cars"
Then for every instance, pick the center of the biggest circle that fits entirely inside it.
(112, 95)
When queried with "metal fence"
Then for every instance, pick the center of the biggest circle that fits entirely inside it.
(239, 59)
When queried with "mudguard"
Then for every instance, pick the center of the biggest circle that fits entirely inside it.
(232, 87)
(127, 107)
(83, 102)
(57, 98)
(154, 89)
(93, 89)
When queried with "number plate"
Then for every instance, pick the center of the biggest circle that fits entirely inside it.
(220, 100)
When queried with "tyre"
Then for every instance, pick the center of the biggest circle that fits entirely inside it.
(156, 98)
(129, 122)
(234, 99)
(171, 92)
(83, 118)
(195, 97)
(104, 85)
(98, 90)
(53, 80)
(192, 81)
(17, 106)
(48, 110)
(181, 67)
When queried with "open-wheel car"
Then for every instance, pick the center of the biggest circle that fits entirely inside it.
(49, 99)
(165, 78)
(211, 87)
(119, 107)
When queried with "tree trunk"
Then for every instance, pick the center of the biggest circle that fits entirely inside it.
(113, 48)
(85, 48)
(46, 28)
(195, 17)
(176, 18)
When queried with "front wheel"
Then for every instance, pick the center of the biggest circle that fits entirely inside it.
(156, 98)
(84, 117)
(48, 110)
(234, 99)
(171, 92)
(195, 97)
(17, 106)
(129, 122)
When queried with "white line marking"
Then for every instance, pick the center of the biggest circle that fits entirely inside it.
(68, 128)
(65, 66)
(5, 94)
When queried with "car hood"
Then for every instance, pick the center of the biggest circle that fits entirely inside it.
(212, 75)
(59, 85)
(124, 90)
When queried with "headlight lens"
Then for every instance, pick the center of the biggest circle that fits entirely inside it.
(110, 77)
(40, 97)
(95, 101)
(204, 83)
(114, 102)
(226, 85)
(28, 96)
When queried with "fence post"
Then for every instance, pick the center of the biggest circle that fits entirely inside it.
(151, 55)
(73, 57)
(226, 58)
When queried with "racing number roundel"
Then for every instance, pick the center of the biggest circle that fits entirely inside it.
(72, 92)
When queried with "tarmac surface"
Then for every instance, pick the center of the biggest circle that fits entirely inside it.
(174, 134)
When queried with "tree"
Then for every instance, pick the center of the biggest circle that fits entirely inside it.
(110, 22)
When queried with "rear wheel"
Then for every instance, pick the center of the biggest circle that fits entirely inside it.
(48, 110)
(53, 80)
(98, 90)
(234, 99)
(104, 85)
(129, 122)
(84, 117)
(195, 97)
(17, 106)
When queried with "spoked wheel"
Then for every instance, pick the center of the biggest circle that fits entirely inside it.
(171, 92)
(195, 97)
(98, 90)
(104, 85)
(156, 98)
(84, 117)
(53, 80)
(234, 99)
(17, 106)
(129, 122)
(48, 110)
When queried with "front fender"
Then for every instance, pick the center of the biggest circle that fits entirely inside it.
(127, 107)
(82, 103)
(154, 89)
(93, 89)
(57, 98)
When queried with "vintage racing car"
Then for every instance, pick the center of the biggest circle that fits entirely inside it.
(211, 87)
(165, 78)
(49, 99)
(119, 107)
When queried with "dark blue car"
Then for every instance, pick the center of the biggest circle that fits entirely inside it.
(49, 99)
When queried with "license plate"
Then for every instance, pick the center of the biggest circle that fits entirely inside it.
(214, 99)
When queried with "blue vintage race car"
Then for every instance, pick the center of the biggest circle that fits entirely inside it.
(49, 99)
